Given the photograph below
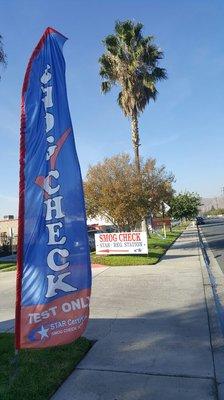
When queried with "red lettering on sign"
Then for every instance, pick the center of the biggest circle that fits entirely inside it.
(121, 237)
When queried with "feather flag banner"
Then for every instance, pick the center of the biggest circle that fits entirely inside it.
(53, 263)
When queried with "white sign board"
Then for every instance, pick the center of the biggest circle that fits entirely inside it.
(166, 207)
(121, 243)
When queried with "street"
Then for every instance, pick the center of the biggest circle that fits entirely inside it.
(213, 231)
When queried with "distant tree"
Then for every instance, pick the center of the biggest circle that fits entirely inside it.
(131, 61)
(114, 189)
(185, 205)
(157, 183)
(215, 211)
(2, 53)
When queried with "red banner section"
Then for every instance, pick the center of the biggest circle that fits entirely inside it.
(61, 321)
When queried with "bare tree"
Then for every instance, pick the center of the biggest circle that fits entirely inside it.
(116, 190)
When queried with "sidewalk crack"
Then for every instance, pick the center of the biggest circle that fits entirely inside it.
(185, 376)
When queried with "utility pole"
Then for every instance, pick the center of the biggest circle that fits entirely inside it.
(164, 224)
(216, 200)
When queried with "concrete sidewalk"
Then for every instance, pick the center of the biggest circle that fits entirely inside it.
(151, 329)
(8, 298)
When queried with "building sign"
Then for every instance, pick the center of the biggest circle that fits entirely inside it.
(166, 207)
(160, 222)
(121, 243)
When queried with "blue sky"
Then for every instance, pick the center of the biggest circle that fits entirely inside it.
(183, 129)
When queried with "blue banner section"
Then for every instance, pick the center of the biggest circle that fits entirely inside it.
(56, 260)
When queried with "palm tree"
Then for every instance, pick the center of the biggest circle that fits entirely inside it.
(131, 61)
(2, 53)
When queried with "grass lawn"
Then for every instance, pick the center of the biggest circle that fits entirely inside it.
(39, 372)
(157, 248)
(7, 266)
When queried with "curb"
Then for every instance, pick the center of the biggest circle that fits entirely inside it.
(213, 279)
(98, 266)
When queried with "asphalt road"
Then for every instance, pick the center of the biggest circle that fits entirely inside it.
(213, 229)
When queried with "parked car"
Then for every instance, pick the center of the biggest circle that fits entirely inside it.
(200, 221)
(91, 236)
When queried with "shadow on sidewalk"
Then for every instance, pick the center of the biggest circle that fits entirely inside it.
(167, 257)
(167, 342)
(158, 342)
(7, 326)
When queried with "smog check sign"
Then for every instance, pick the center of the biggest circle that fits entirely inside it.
(121, 243)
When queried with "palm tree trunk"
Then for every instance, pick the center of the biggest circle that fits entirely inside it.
(135, 139)
(136, 144)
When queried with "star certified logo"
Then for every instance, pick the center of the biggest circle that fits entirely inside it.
(39, 333)
(43, 332)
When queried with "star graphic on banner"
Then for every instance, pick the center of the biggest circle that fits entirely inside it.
(43, 332)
